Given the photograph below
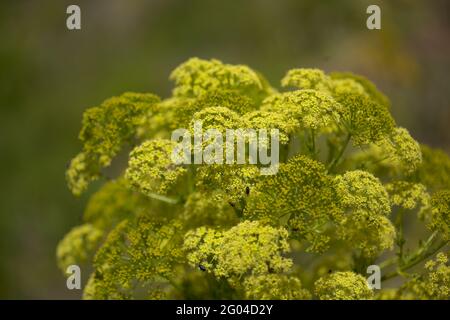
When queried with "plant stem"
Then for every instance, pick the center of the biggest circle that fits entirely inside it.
(400, 239)
(163, 198)
(313, 143)
(341, 152)
(421, 254)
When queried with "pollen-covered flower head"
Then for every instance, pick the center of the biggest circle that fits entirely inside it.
(104, 130)
(361, 190)
(219, 118)
(196, 77)
(274, 287)
(304, 78)
(137, 258)
(78, 246)
(307, 108)
(408, 195)
(249, 248)
(403, 151)
(343, 286)
(234, 181)
(365, 202)
(367, 234)
(169, 114)
(364, 119)
(230, 99)
(81, 172)
(440, 213)
(151, 169)
(270, 120)
(300, 195)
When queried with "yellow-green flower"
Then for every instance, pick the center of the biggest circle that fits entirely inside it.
(343, 286)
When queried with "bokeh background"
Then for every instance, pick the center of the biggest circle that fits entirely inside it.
(49, 75)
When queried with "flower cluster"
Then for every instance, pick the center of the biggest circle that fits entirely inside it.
(348, 182)
(342, 286)
(150, 168)
(275, 286)
(249, 248)
(78, 246)
(433, 284)
(143, 250)
(408, 195)
(104, 131)
(440, 212)
(366, 205)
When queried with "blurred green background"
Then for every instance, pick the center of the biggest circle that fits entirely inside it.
(49, 75)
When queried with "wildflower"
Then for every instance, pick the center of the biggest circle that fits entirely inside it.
(230, 99)
(434, 284)
(343, 286)
(195, 77)
(306, 79)
(440, 213)
(230, 180)
(366, 204)
(81, 172)
(408, 195)
(104, 130)
(365, 120)
(250, 248)
(274, 287)
(403, 151)
(245, 233)
(361, 190)
(305, 109)
(78, 246)
(301, 195)
(270, 120)
(150, 168)
(368, 233)
(142, 249)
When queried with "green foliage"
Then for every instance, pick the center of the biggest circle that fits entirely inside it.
(348, 183)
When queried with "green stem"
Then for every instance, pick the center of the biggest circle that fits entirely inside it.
(421, 254)
(400, 239)
(313, 143)
(388, 262)
(163, 198)
(341, 152)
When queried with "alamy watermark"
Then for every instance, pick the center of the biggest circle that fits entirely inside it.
(233, 146)
(74, 279)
